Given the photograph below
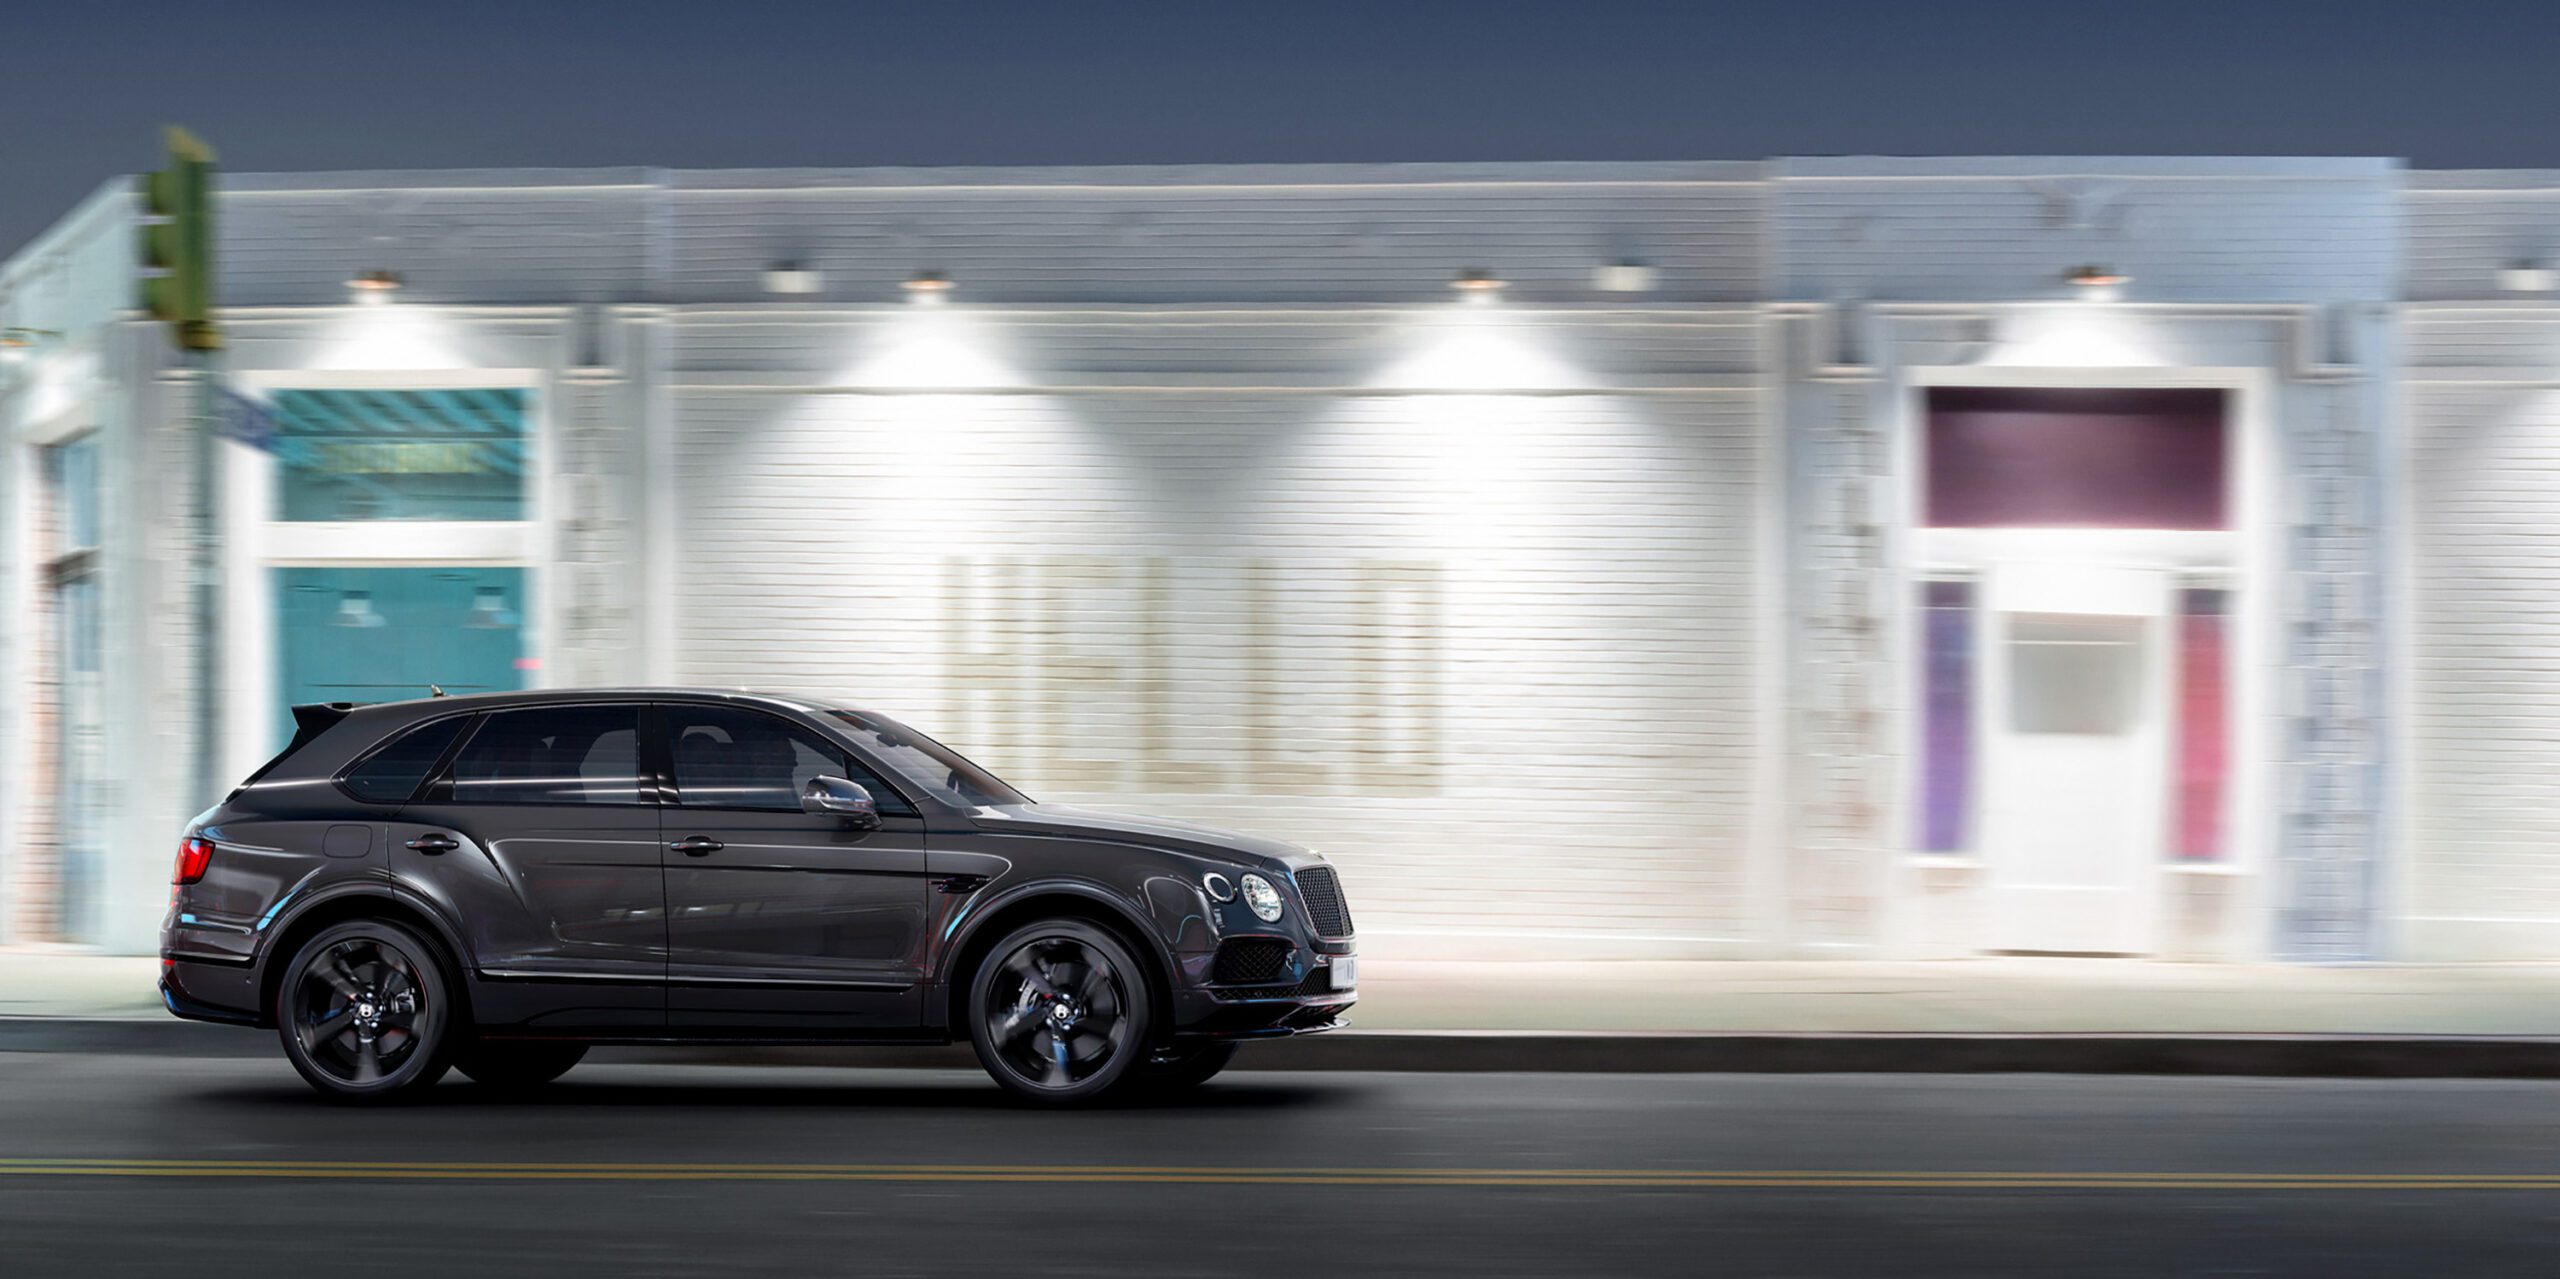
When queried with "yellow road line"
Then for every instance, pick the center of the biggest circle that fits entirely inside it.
(1694, 1179)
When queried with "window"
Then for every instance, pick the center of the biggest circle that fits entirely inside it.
(552, 755)
(726, 757)
(1946, 715)
(400, 455)
(2075, 673)
(72, 679)
(2202, 800)
(927, 763)
(391, 775)
(2001, 457)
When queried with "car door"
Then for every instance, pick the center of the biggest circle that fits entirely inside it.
(541, 838)
(778, 919)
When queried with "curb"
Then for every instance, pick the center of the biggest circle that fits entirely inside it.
(2334, 1056)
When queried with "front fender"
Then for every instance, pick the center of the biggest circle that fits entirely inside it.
(970, 924)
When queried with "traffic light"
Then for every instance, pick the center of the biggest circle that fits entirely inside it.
(177, 243)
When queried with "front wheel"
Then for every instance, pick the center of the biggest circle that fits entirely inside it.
(1060, 1013)
(365, 1012)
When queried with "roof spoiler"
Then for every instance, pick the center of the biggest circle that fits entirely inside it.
(314, 718)
(309, 722)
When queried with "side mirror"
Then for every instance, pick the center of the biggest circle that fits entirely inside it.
(841, 798)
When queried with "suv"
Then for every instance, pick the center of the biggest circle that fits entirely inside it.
(495, 882)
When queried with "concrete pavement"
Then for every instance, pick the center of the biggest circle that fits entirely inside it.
(121, 1165)
(1986, 1014)
(2001, 996)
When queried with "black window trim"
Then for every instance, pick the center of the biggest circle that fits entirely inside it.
(439, 784)
(672, 795)
(434, 771)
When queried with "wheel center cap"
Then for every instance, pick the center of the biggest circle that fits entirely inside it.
(365, 1010)
(1062, 1013)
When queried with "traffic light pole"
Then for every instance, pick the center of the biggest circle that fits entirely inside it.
(177, 243)
(206, 578)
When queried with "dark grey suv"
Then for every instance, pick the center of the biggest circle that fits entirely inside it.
(493, 883)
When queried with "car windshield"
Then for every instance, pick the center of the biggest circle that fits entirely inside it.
(926, 763)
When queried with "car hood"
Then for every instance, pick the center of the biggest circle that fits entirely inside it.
(1162, 832)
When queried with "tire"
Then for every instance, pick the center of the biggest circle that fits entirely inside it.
(1178, 1069)
(501, 1066)
(366, 1012)
(1088, 1052)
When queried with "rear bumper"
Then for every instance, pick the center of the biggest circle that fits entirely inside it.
(199, 990)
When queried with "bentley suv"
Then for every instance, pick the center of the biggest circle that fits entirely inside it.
(493, 883)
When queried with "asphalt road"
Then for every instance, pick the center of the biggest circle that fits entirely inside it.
(115, 1165)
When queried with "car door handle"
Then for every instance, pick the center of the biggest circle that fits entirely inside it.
(432, 843)
(697, 845)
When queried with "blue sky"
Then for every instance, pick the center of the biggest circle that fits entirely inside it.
(292, 85)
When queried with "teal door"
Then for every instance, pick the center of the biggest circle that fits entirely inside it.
(388, 634)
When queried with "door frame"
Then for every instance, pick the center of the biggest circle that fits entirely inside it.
(2241, 875)
(252, 542)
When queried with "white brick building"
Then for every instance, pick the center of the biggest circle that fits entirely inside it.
(1691, 598)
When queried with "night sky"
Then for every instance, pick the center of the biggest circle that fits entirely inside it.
(724, 83)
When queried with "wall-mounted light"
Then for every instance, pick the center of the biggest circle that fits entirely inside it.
(1476, 284)
(927, 286)
(1623, 277)
(2529, 275)
(374, 287)
(489, 611)
(2095, 280)
(355, 611)
(790, 278)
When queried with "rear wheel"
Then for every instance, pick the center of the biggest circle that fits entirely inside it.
(1187, 1065)
(517, 1067)
(1060, 1013)
(365, 1012)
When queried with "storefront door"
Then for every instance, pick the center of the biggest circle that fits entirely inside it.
(2075, 741)
(2073, 661)
(395, 548)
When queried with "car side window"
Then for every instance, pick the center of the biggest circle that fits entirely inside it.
(728, 757)
(552, 755)
(391, 774)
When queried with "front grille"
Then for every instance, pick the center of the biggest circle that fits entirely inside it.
(1325, 907)
(1319, 982)
(1248, 961)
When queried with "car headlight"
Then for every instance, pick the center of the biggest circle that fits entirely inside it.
(1219, 887)
(1265, 900)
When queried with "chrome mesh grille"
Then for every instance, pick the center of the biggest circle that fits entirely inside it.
(1322, 891)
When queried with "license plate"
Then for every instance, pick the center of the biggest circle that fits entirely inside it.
(1346, 974)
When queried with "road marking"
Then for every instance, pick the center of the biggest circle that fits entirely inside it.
(1552, 1178)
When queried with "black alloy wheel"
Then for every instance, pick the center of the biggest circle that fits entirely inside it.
(1061, 1013)
(363, 1012)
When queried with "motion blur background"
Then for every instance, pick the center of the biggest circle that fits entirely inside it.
(1786, 558)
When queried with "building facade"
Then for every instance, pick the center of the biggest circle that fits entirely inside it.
(1821, 557)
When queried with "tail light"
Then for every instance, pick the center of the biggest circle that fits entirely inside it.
(193, 856)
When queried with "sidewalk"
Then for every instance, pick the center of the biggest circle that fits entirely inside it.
(2082, 1016)
(1949, 997)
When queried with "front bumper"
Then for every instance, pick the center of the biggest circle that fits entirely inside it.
(1304, 1004)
